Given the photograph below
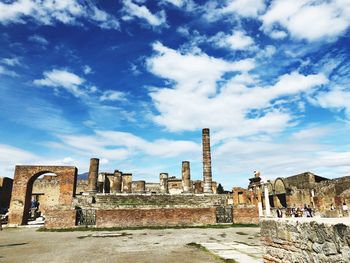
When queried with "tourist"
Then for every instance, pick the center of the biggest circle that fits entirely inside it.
(279, 212)
(345, 209)
(309, 211)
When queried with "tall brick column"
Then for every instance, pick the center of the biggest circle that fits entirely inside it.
(207, 176)
(117, 186)
(186, 177)
(93, 174)
(163, 185)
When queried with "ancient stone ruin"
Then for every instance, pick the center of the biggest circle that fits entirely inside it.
(114, 199)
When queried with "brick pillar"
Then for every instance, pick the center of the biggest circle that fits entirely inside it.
(186, 177)
(117, 185)
(207, 176)
(163, 185)
(127, 183)
(93, 174)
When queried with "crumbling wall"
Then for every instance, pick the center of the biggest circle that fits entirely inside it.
(60, 218)
(5, 191)
(245, 215)
(155, 217)
(144, 200)
(305, 240)
(48, 191)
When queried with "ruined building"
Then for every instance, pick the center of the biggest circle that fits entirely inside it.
(114, 199)
(325, 196)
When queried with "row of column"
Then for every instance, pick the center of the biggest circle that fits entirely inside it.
(123, 182)
(120, 182)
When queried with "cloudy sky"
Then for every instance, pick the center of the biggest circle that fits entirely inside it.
(133, 82)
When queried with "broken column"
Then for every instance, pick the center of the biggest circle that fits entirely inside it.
(126, 183)
(117, 184)
(138, 186)
(163, 185)
(207, 176)
(93, 174)
(186, 177)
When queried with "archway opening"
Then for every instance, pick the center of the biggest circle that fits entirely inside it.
(43, 192)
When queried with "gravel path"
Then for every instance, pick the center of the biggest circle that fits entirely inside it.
(167, 245)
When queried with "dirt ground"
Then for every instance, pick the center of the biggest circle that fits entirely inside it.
(147, 245)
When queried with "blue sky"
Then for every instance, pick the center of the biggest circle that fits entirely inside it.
(133, 82)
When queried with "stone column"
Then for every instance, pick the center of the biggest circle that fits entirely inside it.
(93, 174)
(186, 177)
(207, 176)
(127, 183)
(259, 201)
(163, 185)
(138, 186)
(117, 185)
(267, 201)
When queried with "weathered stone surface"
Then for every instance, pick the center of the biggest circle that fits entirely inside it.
(5, 191)
(245, 215)
(305, 240)
(155, 217)
(93, 174)
(186, 176)
(127, 183)
(60, 218)
(23, 185)
(207, 175)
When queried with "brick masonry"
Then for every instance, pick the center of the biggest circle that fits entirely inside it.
(155, 217)
(245, 215)
(60, 218)
(306, 240)
(24, 178)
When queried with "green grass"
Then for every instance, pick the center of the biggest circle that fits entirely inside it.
(90, 228)
(200, 247)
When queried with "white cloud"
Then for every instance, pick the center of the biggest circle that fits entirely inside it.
(5, 71)
(133, 10)
(15, 61)
(113, 95)
(238, 40)
(307, 19)
(278, 34)
(114, 145)
(87, 69)
(244, 8)
(38, 39)
(49, 12)
(62, 79)
(336, 99)
(239, 107)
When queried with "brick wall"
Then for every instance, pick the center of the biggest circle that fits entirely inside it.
(5, 191)
(155, 217)
(60, 218)
(306, 240)
(245, 215)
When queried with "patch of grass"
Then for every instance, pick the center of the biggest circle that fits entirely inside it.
(91, 228)
(200, 247)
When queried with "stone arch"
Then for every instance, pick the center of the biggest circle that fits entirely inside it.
(25, 175)
(279, 186)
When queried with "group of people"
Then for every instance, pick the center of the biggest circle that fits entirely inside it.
(303, 211)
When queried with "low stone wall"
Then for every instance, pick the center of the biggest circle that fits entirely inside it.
(155, 217)
(60, 218)
(110, 201)
(306, 240)
(245, 215)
